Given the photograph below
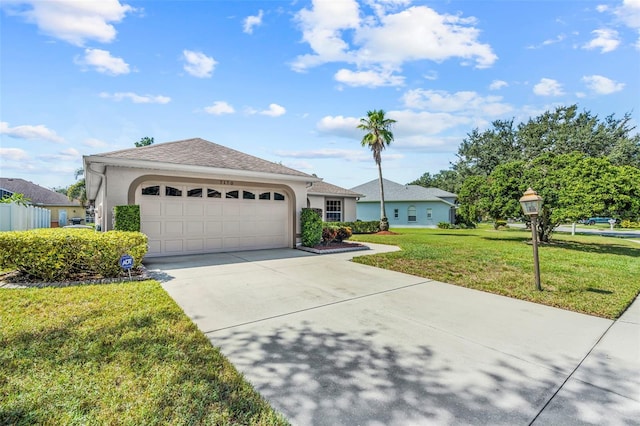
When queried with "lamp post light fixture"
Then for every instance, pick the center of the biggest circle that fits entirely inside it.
(531, 204)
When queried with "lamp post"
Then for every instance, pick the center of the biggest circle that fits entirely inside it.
(531, 204)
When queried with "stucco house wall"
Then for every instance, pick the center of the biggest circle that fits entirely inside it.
(439, 212)
(430, 206)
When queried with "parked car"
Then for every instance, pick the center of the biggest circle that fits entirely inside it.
(594, 220)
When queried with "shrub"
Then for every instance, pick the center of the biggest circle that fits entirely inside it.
(59, 254)
(329, 233)
(358, 227)
(126, 218)
(311, 224)
(629, 224)
(444, 225)
(500, 224)
(344, 233)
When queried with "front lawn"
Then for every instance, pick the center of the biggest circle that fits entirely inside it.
(115, 354)
(590, 274)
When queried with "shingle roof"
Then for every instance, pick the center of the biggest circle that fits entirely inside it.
(199, 152)
(396, 192)
(36, 193)
(324, 188)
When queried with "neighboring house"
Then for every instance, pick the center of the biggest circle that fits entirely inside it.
(62, 210)
(337, 204)
(196, 196)
(406, 204)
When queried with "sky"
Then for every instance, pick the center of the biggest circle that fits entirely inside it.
(289, 81)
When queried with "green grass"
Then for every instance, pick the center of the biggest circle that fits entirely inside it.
(115, 354)
(590, 274)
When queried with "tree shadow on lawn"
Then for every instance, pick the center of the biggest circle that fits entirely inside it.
(610, 248)
(325, 377)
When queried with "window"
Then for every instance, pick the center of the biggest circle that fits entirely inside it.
(151, 190)
(429, 213)
(265, 196)
(396, 213)
(170, 191)
(195, 192)
(212, 193)
(278, 197)
(232, 194)
(411, 214)
(334, 211)
(248, 195)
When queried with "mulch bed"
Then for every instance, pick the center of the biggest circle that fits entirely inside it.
(334, 248)
(385, 233)
(16, 279)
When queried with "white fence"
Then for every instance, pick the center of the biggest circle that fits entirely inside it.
(14, 217)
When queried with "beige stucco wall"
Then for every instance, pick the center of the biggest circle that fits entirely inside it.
(122, 183)
(72, 211)
(348, 206)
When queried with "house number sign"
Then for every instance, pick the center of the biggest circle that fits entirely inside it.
(226, 182)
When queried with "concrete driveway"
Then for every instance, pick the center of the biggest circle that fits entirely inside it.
(331, 342)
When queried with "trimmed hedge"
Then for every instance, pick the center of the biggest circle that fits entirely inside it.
(126, 218)
(358, 227)
(311, 224)
(59, 254)
(335, 233)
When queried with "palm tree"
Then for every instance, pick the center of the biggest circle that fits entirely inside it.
(377, 138)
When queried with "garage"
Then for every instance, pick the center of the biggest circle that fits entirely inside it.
(206, 217)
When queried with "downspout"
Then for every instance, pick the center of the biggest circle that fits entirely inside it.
(103, 181)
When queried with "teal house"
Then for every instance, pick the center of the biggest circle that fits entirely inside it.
(405, 205)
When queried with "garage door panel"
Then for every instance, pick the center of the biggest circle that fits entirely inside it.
(230, 228)
(155, 246)
(173, 228)
(174, 246)
(151, 227)
(230, 243)
(194, 209)
(174, 208)
(195, 245)
(231, 209)
(213, 228)
(195, 228)
(151, 208)
(213, 244)
(213, 209)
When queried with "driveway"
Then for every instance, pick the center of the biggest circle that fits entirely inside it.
(331, 342)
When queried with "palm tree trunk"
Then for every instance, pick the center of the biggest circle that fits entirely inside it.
(384, 222)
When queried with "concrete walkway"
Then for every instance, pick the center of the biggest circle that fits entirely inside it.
(332, 342)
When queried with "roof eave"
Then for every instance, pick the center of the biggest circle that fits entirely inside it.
(159, 165)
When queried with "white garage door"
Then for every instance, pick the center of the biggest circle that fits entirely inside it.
(187, 218)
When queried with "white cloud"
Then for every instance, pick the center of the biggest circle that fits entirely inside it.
(548, 87)
(498, 84)
(354, 155)
(605, 39)
(252, 21)
(388, 39)
(602, 85)
(74, 21)
(69, 154)
(411, 123)
(94, 143)
(340, 126)
(274, 110)
(464, 101)
(14, 154)
(135, 98)
(39, 131)
(629, 14)
(219, 108)
(198, 64)
(368, 78)
(103, 62)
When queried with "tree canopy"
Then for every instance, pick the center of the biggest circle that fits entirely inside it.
(145, 141)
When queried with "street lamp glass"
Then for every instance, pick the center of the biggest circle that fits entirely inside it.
(531, 202)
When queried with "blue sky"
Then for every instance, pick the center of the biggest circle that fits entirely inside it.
(288, 81)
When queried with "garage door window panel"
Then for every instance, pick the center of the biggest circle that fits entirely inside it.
(213, 193)
(232, 194)
(265, 196)
(171, 191)
(248, 195)
(278, 197)
(151, 190)
(194, 193)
